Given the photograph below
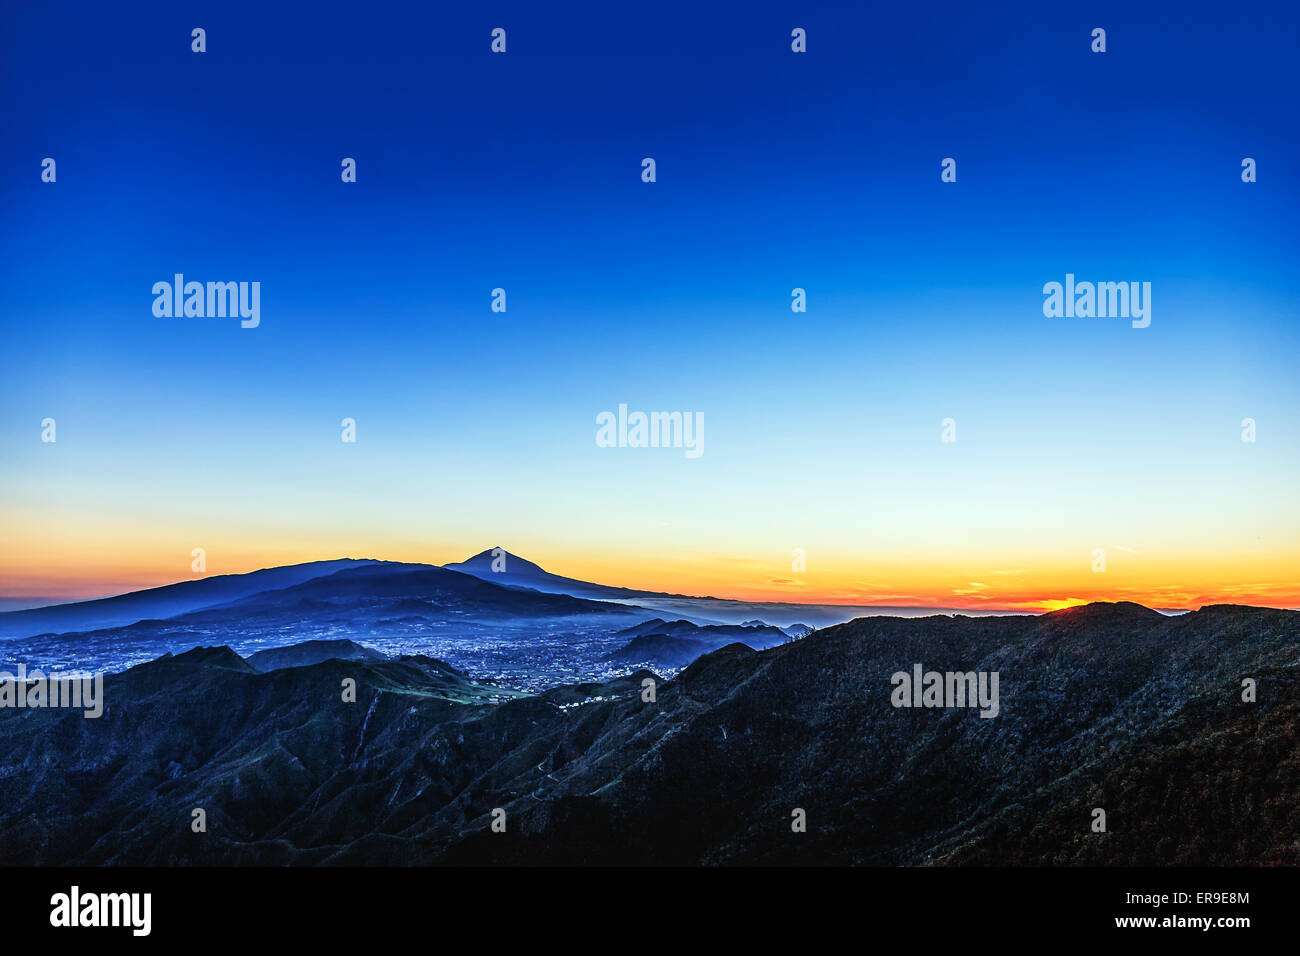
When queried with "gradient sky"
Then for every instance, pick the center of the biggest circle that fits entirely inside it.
(775, 170)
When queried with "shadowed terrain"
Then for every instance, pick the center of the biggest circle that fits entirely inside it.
(1109, 705)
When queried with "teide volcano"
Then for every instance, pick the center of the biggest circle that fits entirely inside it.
(501, 567)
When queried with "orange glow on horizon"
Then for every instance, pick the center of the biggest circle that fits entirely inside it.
(1175, 583)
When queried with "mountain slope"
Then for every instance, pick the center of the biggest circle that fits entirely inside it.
(389, 587)
(311, 652)
(391, 607)
(162, 602)
(674, 644)
(1103, 705)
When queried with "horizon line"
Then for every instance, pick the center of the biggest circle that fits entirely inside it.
(1040, 605)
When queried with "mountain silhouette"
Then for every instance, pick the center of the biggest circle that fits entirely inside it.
(674, 644)
(311, 652)
(162, 602)
(283, 585)
(397, 586)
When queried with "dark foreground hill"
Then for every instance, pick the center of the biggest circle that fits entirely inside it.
(1109, 706)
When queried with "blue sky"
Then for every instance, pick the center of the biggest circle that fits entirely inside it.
(522, 171)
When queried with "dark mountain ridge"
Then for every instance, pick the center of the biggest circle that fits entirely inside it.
(1099, 706)
(311, 652)
(674, 644)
